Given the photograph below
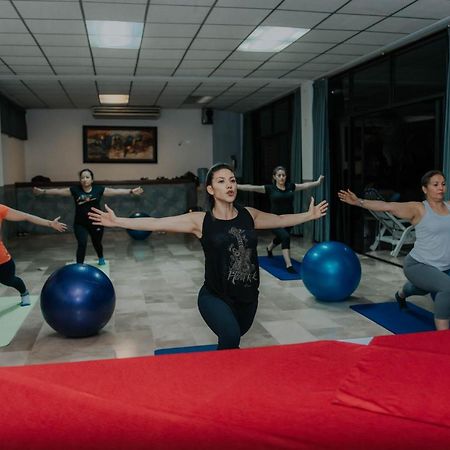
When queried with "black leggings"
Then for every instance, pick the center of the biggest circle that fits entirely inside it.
(283, 237)
(81, 234)
(229, 323)
(8, 276)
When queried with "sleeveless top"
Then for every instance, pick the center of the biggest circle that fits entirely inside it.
(231, 259)
(84, 201)
(432, 244)
(4, 254)
(281, 202)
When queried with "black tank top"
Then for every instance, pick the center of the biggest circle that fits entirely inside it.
(231, 260)
(84, 201)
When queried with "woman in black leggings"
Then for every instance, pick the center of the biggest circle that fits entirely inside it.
(228, 298)
(87, 195)
(7, 266)
(281, 196)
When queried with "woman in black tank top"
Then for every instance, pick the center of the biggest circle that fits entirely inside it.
(228, 298)
(86, 195)
(281, 197)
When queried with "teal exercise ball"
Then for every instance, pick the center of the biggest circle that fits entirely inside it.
(331, 271)
(138, 235)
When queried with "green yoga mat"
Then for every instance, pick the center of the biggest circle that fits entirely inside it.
(12, 315)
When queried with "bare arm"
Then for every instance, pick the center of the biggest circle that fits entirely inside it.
(265, 220)
(251, 188)
(16, 216)
(184, 223)
(111, 192)
(411, 211)
(310, 184)
(64, 192)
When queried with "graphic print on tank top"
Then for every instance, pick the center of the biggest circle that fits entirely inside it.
(241, 267)
(85, 198)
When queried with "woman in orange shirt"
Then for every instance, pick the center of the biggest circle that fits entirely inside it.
(7, 266)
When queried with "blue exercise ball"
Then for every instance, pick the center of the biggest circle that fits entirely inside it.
(331, 271)
(78, 300)
(139, 235)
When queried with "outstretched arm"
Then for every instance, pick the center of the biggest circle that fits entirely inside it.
(265, 220)
(411, 211)
(16, 216)
(251, 188)
(184, 223)
(310, 184)
(111, 192)
(64, 192)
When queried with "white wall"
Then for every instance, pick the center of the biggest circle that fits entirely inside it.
(54, 145)
(13, 160)
(307, 94)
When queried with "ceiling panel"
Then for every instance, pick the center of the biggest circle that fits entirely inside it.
(401, 25)
(189, 48)
(349, 22)
(378, 7)
(313, 5)
(125, 12)
(176, 14)
(48, 10)
(427, 9)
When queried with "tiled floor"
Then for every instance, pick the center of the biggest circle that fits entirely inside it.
(156, 283)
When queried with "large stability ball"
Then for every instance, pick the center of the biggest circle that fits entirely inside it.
(139, 235)
(78, 300)
(331, 271)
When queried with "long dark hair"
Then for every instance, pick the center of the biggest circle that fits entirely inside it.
(427, 177)
(209, 178)
(86, 170)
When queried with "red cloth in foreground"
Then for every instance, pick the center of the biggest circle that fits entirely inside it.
(277, 397)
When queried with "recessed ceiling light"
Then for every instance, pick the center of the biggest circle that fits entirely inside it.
(271, 39)
(114, 34)
(113, 99)
(205, 99)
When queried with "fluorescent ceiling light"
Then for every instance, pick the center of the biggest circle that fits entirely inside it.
(113, 99)
(114, 34)
(271, 39)
(205, 99)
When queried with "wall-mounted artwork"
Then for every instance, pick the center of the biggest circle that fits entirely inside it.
(119, 144)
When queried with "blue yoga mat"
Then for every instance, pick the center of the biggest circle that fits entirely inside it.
(193, 349)
(413, 319)
(277, 267)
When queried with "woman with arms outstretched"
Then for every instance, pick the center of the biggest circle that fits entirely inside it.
(7, 265)
(86, 195)
(281, 196)
(427, 266)
(228, 298)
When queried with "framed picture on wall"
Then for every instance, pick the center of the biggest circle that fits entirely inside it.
(106, 144)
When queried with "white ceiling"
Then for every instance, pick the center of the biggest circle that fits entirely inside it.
(189, 48)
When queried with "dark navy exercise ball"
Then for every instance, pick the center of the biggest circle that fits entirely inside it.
(78, 300)
(331, 271)
(139, 235)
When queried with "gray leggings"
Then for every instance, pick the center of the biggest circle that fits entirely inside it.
(429, 279)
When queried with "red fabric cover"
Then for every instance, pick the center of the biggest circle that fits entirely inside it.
(265, 398)
(401, 383)
(430, 341)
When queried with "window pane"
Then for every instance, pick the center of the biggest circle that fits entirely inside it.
(420, 71)
(371, 87)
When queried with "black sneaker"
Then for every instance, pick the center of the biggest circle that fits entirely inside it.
(401, 301)
(269, 253)
(290, 269)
